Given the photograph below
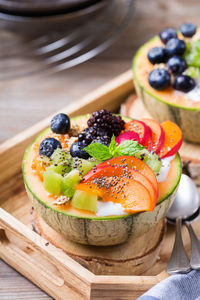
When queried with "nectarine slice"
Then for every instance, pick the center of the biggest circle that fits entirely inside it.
(117, 185)
(158, 135)
(132, 163)
(127, 135)
(173, 139)
(148, 143)
(140, 128)
(124, 173)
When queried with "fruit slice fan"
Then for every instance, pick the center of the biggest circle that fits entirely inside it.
(57, 51)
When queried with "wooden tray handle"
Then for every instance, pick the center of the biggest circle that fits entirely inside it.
(32, 264)
(69, 270)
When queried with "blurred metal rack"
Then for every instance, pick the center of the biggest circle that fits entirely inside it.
(23, 54)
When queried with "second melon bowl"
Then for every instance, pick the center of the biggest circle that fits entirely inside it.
(160, 104)
(86, 228)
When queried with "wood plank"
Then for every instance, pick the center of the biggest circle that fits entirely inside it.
(14, 286)
(70, 271)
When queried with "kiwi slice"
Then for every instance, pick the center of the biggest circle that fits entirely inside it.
(46, 161)
(62, 160)
(83, 165)
(151, 159)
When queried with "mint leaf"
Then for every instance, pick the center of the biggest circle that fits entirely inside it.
(113, 145)
(128, 147)
(102, 152)
(98, 151)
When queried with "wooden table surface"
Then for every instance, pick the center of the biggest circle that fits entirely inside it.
(23, 102)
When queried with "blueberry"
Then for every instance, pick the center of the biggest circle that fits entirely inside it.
(175, 47)
(48, 146)
(156, 55)
(184, 83)
(159, 79)
(176, 65)
(60, 124)
(188, 29)
(76, 150)
(167, 34)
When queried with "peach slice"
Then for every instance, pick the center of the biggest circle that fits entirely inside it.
(118, 185)
(140, 128)
(148, 143)
(125, 172)
(127, 135)
(158, 135)
(131, 163)
(173, 139)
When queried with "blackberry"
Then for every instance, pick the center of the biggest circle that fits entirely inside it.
(105, 140)
(104, 120)
(101, 126)
(88, 134)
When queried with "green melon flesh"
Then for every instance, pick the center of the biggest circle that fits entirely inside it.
(69, 181)
(186, 117)
(85, 227)
(83, 200)
(52, 182)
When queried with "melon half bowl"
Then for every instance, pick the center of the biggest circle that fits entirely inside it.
(168, 104)
(85, 227)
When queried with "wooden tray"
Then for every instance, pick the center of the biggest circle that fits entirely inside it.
(41, 262)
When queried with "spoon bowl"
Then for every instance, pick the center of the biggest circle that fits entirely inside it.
(184, 208)
(186, 202)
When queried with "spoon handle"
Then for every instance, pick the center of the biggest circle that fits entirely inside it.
(195, 248)
(178, 262)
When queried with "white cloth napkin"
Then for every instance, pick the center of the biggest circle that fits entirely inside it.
(176, 287)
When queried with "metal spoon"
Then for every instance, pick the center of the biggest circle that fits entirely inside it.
(185, 207)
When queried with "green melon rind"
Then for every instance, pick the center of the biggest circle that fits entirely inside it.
(179, 164)
(99, 231)
(161, 110)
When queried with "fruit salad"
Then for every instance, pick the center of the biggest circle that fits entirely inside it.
(171, 64)
(105, 164)
(177, 54)
(166, 73)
